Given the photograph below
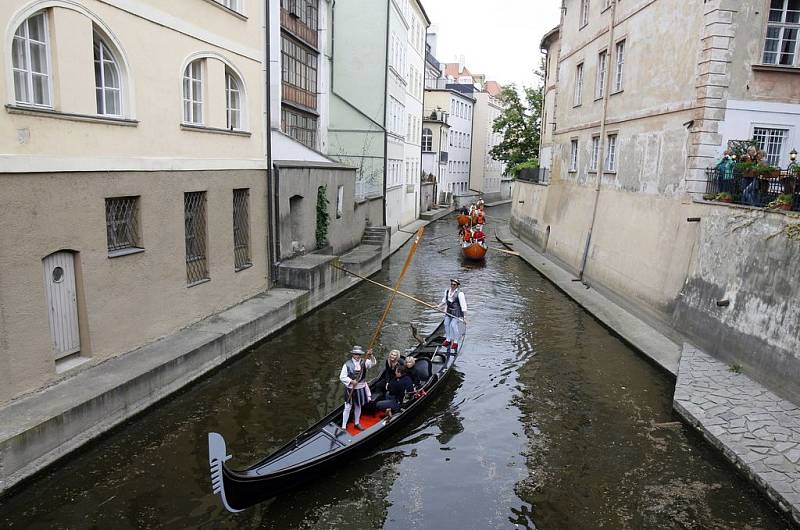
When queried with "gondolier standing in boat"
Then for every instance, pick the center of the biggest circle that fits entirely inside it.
(356, 389)
(455, 304)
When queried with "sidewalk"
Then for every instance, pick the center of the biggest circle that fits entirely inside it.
(753, 428)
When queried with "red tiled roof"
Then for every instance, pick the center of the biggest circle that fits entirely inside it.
(452, 69)
(493, 88)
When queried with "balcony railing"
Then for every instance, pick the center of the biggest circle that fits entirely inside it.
(295, 26)
(537, 175)
(778, 188)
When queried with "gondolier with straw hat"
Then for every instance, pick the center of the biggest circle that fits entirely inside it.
(455, 305)
(356, 390)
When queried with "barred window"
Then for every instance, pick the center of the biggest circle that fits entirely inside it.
(771, 142)
(122, 224)
(241, 229)
(780, 45)
(194, 216)
(301, 127)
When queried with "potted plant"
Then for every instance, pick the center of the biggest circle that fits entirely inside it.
(724, 197)
(709, 197)
(783, 202)
(748, 169)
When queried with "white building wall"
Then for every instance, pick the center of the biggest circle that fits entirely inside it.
(461, 110)
(742, 117)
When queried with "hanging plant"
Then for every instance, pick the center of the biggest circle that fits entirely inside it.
(323, 217)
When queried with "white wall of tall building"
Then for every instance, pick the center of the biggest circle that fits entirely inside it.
(742, 117)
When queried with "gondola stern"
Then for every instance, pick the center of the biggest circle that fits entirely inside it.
(217, 456)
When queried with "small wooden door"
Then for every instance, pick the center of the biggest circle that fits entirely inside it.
(62, 303)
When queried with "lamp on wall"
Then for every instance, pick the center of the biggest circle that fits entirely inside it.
(793, 155)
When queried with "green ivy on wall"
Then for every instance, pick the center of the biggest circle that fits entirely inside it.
(323, 217)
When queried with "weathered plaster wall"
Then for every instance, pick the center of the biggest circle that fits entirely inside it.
(121, 300)
(744, 257)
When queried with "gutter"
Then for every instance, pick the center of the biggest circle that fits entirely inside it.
(272, 228)
(601, 165)
(385, 94)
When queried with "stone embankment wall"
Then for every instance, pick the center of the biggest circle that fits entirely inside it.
(645, 251)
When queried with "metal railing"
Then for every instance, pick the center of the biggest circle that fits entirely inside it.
(241, 229)
(537, 175)
(122, 223)
(194, 208)
(752, 189)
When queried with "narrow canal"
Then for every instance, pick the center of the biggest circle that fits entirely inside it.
(548, 422)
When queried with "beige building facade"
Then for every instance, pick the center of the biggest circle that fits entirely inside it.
(132, 184)
(635, 112)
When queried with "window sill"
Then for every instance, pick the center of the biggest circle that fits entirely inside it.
(228, 10)
(395, 187)
(49, 113)
(213, 130)
(582, 26)
(124, 252)
(243, 267)
(620, 91)
(575, 106)
(776, 68)
(198, 282)
(572, 171)
(610, 172)
(397, 74)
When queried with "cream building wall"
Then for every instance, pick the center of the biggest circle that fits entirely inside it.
(460, 109)
(60, 164)
(486, 172)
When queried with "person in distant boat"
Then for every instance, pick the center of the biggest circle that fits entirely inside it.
(478, 235)
(464, 210)
(478, 218)
(455, 304)
(467, 235)
(398, 389)
(356, 390)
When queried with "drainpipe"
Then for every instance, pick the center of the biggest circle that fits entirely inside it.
(601, 152)
(271, 256)
(386, 93)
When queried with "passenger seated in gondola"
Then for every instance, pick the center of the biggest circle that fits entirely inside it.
(398, 389)
(387, 376)
(410, 362)
(478, 235)
(467, 235)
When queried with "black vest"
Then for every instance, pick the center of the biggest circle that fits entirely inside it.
(351, 370)
(454, 307)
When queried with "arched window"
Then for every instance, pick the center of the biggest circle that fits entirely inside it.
(193, 92)
(427, 140)
(107, 79)
(233, 100)
(30, 61)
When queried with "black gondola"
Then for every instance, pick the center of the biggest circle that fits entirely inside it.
(325, 445)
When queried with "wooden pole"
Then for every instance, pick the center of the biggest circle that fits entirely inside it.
(401, 293)
(510, 252)
(409, 259)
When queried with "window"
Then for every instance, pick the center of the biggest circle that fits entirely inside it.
(122, 223)
(107, 80)
(233, 101)
(611, 156)
(232, 4)
(595, 153)
(780, 45)
(427, 140)
(584, 13)
(241, 229)
(300, 126)
(771, 142)
(30, 61)
(307, 11)
(620, 54)
(578, 85)
(339, 201)
(193, 92)
(299, 70)
(601, 74)
(573, 155)
(194, 218)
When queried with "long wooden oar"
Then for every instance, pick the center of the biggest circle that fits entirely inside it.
(401, 293)
(509, 252)
(409, 259)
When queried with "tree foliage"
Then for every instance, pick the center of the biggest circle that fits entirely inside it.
(323, 217)
(520, 124)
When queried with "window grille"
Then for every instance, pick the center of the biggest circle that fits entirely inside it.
(194, 215)
(108, 88)
(771, 142)
(30, 61)
(780, 45)
(241, 229)
(122, 224)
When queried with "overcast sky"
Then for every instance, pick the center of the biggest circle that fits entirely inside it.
(499, 38)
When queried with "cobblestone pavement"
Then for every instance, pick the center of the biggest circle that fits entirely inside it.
(756, 429)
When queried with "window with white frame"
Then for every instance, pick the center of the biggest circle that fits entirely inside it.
(770, 140)
(578, 95)
(193, 92)
(620, 66)
(602, 64)
(611, 156)
(780, 45)
(573, 155)
(107, 79)
(30, 61)
(595, 153)
(236, 5)
(233, 101)
(397, 117)
(584, 13)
